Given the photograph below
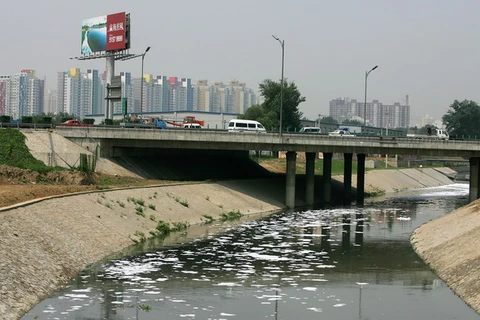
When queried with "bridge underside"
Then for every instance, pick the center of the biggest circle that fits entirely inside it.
(200, 165)
(197, 163)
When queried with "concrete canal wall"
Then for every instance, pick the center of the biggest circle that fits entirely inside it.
(450, 245)
(44, 244)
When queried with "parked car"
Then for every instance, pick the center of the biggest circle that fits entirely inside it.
(341, 133)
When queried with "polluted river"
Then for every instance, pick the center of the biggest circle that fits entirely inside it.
(339, 263)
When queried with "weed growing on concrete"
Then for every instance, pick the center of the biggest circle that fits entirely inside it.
(163, 228)
(140, 202)
(208, 219)
(376, 192)
(179, 226)
(232, 215)
(140, 235)
(182, 202)
(139, 211)
(145, 307)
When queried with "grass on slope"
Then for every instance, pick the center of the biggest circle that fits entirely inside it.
(14, 152)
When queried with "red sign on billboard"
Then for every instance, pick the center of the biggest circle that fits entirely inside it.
(116, 31)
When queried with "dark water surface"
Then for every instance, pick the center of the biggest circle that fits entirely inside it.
(351, 263)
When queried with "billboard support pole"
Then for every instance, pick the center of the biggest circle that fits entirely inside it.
(110, 68)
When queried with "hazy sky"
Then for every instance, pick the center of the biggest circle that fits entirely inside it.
(428, 49)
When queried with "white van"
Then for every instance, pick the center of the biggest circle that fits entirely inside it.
(310, 130)
(240, 125)
(192, 126)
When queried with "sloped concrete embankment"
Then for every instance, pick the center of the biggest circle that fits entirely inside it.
(45, 244)
(391, 181)
(450, 246)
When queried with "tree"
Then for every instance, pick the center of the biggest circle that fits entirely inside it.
(463, 119)
(328, 120)
(268, 113)
(352, 122)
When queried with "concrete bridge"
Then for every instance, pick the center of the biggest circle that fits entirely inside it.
(117, 142)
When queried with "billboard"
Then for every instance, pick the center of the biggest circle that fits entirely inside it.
(105, 33)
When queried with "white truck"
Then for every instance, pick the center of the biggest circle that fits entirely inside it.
(434, 134)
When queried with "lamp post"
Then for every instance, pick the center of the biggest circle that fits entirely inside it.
(141, 82)
(282, 43)
(365, 105)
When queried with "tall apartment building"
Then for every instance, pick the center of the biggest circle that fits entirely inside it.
(95, 95)
(232, 98)
(49, 101)
(377, 114)
(203, 96)
(161, 93)
(148, 99)
(36, 94)
(21, 94)
(80, 93)
(5, 95)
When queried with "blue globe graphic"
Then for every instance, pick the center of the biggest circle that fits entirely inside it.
(97, 39)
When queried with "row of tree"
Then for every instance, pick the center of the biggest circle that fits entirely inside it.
(462, 118)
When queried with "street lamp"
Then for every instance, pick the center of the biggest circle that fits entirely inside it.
(365, 105)
(141, 82)
(282, 43)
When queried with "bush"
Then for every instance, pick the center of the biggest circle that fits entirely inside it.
(89, 121)
(5, 119)
(27, 119)
(46, 120)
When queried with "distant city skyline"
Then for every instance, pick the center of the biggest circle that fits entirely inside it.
(82, 93)
(426, 49)
(51, 100)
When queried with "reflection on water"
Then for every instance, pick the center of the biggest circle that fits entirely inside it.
(347, 263)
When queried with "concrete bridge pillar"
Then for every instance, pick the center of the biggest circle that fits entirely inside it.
(290, 183)
(105, 148)
(360, 179)
(474, 192)
(309, 178)
(347, 178)
(327, 177)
